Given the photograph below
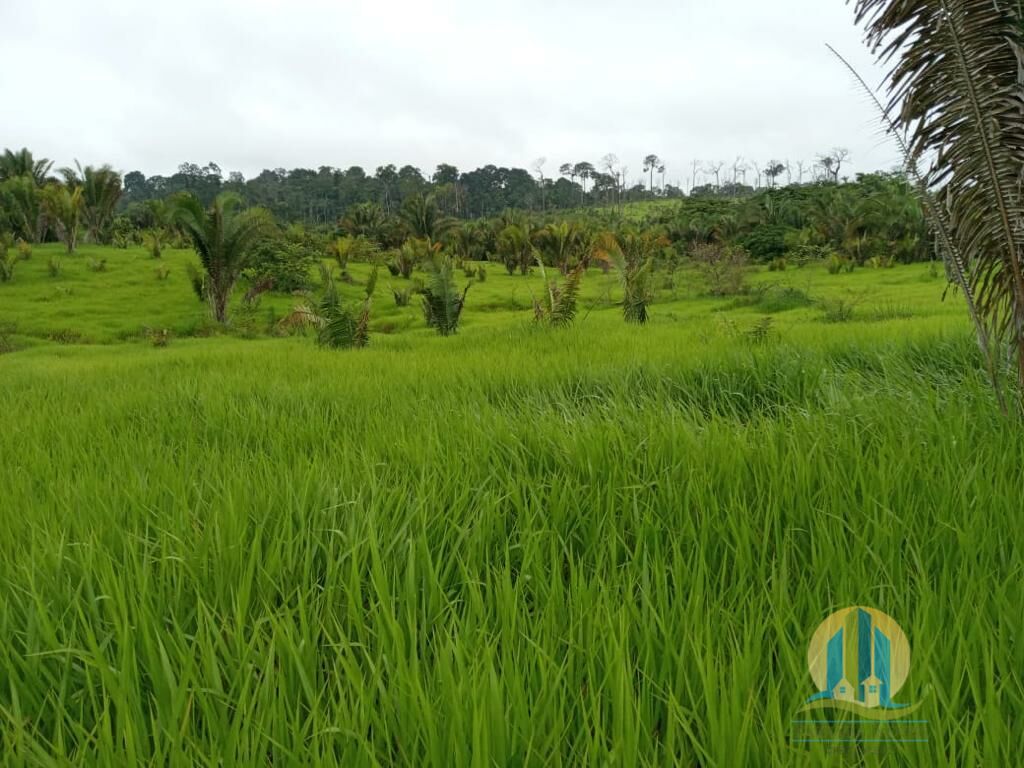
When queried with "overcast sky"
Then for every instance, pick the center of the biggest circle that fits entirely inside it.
(252, 84)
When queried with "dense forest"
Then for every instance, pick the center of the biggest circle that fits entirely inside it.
(485, 213)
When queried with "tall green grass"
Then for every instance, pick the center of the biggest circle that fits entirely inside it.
(596, 546)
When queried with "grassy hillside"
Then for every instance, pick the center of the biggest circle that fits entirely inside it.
(602, 545)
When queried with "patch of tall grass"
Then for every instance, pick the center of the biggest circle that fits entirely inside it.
(599, 545)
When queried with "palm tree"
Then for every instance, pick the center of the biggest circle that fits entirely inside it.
(366, 219)
(584, 171)
(955, 86)
(561, 244)
(651, 162)
(223, 237)
(21, 163)
(63, 208)
(424, 219)
(24, 207)
(101, 190)
(515, 246)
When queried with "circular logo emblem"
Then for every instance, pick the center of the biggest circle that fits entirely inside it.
(860, 656)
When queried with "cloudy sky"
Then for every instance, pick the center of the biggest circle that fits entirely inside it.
(251, 84)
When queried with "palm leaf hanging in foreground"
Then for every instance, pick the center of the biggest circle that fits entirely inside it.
(955, 87)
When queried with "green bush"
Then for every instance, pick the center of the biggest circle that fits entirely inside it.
(766, 243)
(287, 259)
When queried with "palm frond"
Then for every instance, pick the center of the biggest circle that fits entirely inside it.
(955, 87)
(938, 222)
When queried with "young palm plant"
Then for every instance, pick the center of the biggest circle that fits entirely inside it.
(64, 207)
(633, 259)
(101, 190)
(338, 325)
(557, 306)
(955, 88)
(224, 237)
(442, 302)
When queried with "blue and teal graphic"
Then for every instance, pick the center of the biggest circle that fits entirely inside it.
(859, 659)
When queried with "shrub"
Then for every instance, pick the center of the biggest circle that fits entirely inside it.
(24, 251)
(766, 243)
(122, 232)
(777, 265)
(723, 267)
(53, 266)
(442, 302)
(286, 259)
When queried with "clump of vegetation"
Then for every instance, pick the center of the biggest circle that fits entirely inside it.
(158, 337)
(481, 274)
(353, 248)
(96, 265)
(285, 258)
(53, 266)
(557, 306)
(723, 268)
(24, 250)
(413, 252)
(7, 262)
(771, 299)
(162, 272)
(778, 264)
(6, 342)
(442, 302)
(841, 309)
(402, 296)
(837, 264)
(153, 240)
(197, 279)
(761, 332)
(338, 325)
(515, 247)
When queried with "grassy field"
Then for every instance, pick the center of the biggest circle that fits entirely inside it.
(603, 545)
